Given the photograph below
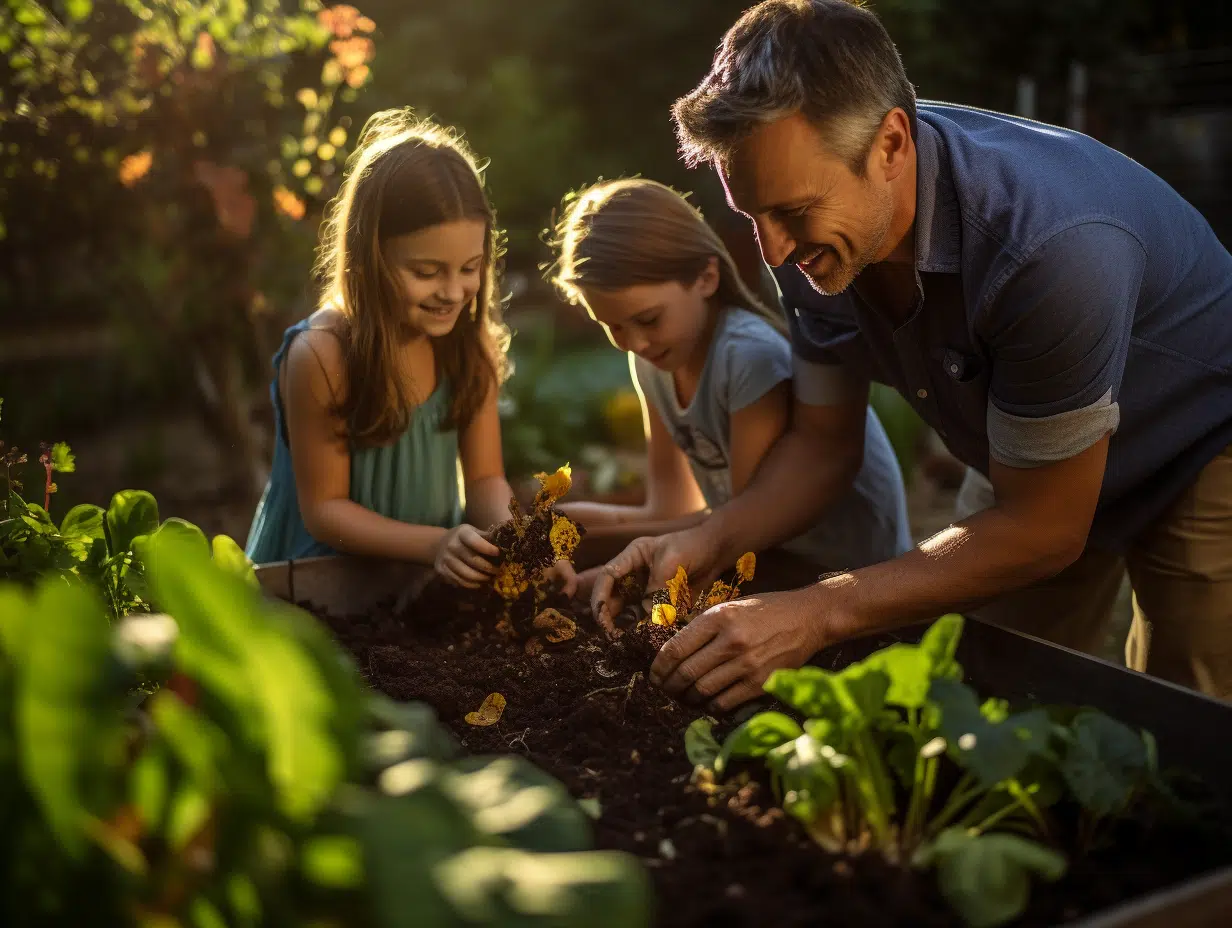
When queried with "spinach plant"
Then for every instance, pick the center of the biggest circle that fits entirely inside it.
(263, 784)
(895, 754)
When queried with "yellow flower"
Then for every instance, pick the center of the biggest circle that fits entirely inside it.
(678, 590)
(746, 566)
(663, 614)
(552, 488)
(565, 537)
(719, 593)
(510, 580)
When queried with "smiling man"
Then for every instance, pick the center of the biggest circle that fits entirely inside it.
(1054, 310)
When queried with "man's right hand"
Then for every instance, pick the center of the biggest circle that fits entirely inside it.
(695, 549)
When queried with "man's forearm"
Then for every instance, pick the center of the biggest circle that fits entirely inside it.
(967, 564)
(793, 487)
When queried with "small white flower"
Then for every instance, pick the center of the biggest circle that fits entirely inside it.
(967, 741)
(933, 748)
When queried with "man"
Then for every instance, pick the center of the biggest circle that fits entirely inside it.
(1055, 311)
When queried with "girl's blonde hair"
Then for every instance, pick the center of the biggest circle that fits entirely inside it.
(620, 233)
(406, 174)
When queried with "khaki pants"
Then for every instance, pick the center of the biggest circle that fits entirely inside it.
(1181, 572)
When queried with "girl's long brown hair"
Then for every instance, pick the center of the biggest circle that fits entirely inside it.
(406, 174)
(620, 233)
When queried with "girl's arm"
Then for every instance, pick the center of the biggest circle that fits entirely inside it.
(754, 430)
(321, 461)
(483, 467)
(672, 494)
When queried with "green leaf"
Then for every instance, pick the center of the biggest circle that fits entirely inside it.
(992, 751)
(808, 689)
(63, 713)
(204, 914)
(987, 879)
(700, 744)
(808, 777)
(909, 669)
(236, 645)
(512, 799)
(149, 785)
(189, 812)
(231, 557)
(196, 742)
(244, 899)
(757, 737)
(404, 838)
(62, 459)
(131, 513)
(863, 688)
(426, 736)
(940, 643)
(599, 889)
(1104, 761)
(333, 861)
(85, 520)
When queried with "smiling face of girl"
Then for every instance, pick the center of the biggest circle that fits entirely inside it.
(438, 271)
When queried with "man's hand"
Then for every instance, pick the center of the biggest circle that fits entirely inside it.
(723, 657)
(693, 549)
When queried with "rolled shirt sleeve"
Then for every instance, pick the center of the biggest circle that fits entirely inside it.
(1059, 333)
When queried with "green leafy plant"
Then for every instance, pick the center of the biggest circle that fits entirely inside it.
(263, 784)
(101, 546)
(896, 754)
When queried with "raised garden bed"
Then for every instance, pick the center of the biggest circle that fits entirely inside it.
(582, 710)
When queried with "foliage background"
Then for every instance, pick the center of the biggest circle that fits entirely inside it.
(140, 300)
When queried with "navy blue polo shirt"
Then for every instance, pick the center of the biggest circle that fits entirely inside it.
(1063, 292)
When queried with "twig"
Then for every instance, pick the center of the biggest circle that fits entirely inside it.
(521, 739)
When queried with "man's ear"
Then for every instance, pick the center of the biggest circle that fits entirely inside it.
(887, 157)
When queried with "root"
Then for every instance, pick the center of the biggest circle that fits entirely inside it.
(627, 689)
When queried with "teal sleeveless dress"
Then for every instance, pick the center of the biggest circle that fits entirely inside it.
(414, 480)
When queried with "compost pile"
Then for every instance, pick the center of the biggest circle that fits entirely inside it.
(580, 707)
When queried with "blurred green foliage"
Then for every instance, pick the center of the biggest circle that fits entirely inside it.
(263, 784)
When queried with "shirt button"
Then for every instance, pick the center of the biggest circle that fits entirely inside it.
(922, 393)
(953, 368)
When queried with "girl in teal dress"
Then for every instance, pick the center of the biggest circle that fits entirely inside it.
(382, 392)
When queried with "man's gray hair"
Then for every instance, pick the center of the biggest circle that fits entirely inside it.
(830, 60)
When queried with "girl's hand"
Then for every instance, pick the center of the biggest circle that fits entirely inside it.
(463, 557)
(563, 577)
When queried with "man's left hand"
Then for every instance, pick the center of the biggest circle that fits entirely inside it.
(723, 657)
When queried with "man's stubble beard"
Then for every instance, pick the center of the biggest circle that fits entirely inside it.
(882, 214)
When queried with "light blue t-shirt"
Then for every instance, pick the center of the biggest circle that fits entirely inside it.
(747, 359)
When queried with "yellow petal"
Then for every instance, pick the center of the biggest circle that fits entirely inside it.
(678, 590)
(663, 614)
(489, 713)
(746, 566)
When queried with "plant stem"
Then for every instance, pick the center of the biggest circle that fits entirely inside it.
(997, 816)
(964, 791)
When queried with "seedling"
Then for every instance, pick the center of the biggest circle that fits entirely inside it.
(531, 542)
(859, 764)
(676, 604)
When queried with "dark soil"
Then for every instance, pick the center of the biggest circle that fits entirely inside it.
(583, 711)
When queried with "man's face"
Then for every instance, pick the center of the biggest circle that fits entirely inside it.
(808, 207)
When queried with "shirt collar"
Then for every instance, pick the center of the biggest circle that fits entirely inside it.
(938, 229)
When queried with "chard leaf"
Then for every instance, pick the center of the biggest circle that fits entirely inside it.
(131, 513)
(940, 643)
(809, 690)
(1104, 761)
(987, 878)
(992, 751)
(700, 744)
(862, 689)
(909, 669)
(808, 775)
(757, 737)
(85, 520)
